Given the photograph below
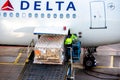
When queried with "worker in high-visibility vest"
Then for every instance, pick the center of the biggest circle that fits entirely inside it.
(68, 43)
(73, 37)
(70, 39)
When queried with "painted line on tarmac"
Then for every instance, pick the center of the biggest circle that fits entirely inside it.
(17, 59)
(11, 63)
(111, 61)
(96, 67)
(100, 67)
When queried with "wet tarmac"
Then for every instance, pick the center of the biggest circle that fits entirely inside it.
(13, 59)
(81, 74)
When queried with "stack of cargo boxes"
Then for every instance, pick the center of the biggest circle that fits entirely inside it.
(49, 49)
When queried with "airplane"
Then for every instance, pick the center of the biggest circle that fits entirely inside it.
(96, 21)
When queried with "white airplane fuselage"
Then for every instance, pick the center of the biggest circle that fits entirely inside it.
(97, 20)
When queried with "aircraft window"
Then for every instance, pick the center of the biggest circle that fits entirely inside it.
(67, 15)
(61, 15)
(17, 15)
(48, 15)
(30, 15)
(42, 15)
(5, 14)
(74, 15)
(36, 15)
(11, 14)
(55, 15)
(23, 15)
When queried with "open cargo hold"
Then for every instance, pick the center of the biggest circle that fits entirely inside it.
(49, 49)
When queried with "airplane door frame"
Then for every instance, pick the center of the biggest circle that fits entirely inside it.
(97, 15)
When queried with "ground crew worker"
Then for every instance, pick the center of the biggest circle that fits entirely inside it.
(70, 38)
(68, 43)
(73, 37)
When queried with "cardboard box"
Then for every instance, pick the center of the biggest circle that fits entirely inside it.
(49, 50)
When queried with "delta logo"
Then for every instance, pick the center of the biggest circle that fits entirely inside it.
(7, 6)
(26, 5)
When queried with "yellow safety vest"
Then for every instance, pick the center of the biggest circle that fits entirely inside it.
(73, 37)
(68, 41)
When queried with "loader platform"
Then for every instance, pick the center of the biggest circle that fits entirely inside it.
(43, 72)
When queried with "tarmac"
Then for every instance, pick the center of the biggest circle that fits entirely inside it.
(13, 60)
